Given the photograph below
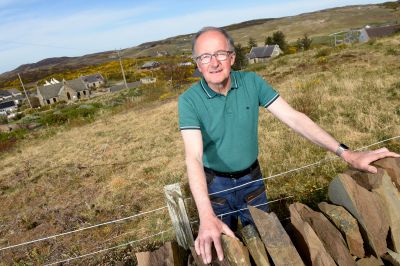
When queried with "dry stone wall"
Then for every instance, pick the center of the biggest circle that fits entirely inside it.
(359, 226)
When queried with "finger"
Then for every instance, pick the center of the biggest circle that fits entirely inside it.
(218, 248)
(372, 169)
(207, 252)
(380, 150)
(227, 231)
(197, 246)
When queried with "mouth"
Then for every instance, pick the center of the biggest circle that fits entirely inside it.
(215, 71)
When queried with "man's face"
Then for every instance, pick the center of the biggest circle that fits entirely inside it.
(216, 72)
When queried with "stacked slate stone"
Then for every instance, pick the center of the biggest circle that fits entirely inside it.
(360, 226)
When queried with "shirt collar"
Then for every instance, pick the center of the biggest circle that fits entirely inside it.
(210, 93)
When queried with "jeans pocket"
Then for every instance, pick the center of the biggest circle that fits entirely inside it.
(257, 196)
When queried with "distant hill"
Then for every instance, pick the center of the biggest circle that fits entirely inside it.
(315, 24)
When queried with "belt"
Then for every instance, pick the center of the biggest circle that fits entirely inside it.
(236, 174)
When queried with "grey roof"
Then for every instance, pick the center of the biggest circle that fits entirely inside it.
(119, 87)
(150, 64)
(50, 91)
(92, 78)
(7, 104)
(382, 31)
(261, 52)
(14, 91)
(77, 84)
(4, 93)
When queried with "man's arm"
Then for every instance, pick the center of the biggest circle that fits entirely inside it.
(303, 125)
(211, 227)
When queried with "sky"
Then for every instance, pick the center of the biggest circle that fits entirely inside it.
(32, 30)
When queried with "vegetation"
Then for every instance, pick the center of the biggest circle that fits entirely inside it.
(241, 60)
(110, 157)
(304, 43)
(117, 165)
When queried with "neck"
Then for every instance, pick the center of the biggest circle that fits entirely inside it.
(221, 88)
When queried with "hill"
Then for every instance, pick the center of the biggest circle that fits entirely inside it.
(316, 24)
(76, 176)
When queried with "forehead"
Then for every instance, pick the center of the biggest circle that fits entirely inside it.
(210, 42)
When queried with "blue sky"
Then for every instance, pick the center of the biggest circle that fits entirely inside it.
(32, 30)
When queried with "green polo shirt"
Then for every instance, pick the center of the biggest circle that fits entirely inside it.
(228, 124)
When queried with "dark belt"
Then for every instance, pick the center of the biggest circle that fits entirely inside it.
(236, 174)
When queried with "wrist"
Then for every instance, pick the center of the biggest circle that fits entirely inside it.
(342, 148)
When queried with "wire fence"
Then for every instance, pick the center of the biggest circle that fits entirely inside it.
(164, 207)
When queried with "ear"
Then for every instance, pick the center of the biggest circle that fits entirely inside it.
(233, 57)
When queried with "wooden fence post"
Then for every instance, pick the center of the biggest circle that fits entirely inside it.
(177, 211)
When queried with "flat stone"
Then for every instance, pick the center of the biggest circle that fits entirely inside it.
(392, 166)
(171, 254)
(275, 238)
(235, 252)
(365, 206)
(330, 237)
(347, 224)
(255, 245)
(390, 196)
(312, 245)
(381, 184)
(392, 257)
(370, 261)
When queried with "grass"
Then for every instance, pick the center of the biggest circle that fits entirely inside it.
(117, 165)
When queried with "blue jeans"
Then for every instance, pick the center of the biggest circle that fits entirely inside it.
(232, 204)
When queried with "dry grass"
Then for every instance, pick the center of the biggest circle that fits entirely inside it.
(118, 165)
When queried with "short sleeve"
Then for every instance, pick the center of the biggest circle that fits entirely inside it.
(266, 94)
(188, 118)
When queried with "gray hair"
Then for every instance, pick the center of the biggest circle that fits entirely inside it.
(220, 30)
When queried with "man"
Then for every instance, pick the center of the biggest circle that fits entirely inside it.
(218, 119)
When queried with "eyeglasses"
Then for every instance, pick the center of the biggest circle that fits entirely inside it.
(219, 55)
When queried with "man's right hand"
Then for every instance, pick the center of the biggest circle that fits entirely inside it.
(210, 232)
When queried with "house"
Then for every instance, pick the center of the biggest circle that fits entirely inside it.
(184, 64)
(148, 80)
(8, 107)
(5, 95)
(367, 33)
(67, 91)
(263, 53)
(93, 81)
(150, 65)
(15, 92)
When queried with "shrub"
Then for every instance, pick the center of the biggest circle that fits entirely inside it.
(323, 52)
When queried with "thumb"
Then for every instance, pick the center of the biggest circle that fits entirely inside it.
(372, 169)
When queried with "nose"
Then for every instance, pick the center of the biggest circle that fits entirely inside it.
(214, 61)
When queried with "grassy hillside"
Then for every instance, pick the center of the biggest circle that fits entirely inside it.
(117, 166)
(316, 24)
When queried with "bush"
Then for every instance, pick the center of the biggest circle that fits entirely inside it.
(323, 52)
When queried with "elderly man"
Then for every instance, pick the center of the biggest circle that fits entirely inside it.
(218, 119)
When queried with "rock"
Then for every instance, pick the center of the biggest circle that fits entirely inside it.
(371, 261)
(171, 254)
(255, 245)
(392, 167)
(235, 252)
(312, 245)
(392, 257)
(365, 206)
(328, 234)
(347, 224)
(275, 238)
(381, 184)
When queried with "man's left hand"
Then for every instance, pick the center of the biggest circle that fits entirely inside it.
(362, 159)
